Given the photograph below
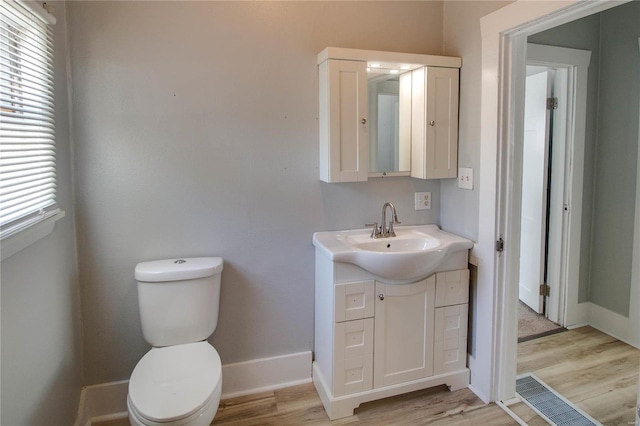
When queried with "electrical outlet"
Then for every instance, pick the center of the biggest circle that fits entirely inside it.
(465, 178)
(423, 200)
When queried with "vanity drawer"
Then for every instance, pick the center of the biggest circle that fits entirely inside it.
(354, 300)
(452, 288)
(450, 342)
(353, 357)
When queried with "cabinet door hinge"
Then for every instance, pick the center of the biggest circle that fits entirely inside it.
(544, 290)
(552, 103)
(500, 245)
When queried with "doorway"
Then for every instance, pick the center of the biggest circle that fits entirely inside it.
(504, 39)
(552, 185)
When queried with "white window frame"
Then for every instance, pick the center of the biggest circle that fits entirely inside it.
(31, 71)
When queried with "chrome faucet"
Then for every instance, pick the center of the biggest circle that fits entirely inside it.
(389, 232)
(383, 231)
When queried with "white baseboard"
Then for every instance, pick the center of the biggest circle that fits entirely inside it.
(471, 362)
(109, 400)
(266, 374)
(613, 324)
(101, 401)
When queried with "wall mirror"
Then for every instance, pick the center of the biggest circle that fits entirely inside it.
(389, 111)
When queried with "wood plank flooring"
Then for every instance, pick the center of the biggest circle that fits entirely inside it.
(301, 405)
(596, 372)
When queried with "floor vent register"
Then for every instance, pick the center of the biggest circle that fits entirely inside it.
(549, 404)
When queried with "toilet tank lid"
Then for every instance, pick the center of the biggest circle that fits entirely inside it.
(178, 269)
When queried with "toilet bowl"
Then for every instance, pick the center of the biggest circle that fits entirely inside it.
(179, 381)
(176, 385)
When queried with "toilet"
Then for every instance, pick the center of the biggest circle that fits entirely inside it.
(179, 381)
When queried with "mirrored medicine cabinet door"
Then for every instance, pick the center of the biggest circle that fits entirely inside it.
(389, 109)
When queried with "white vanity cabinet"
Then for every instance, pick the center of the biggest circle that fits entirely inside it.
(374, 340)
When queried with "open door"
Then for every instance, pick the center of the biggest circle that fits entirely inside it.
(533, 222)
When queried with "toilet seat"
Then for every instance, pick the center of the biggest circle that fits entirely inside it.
(174, 382)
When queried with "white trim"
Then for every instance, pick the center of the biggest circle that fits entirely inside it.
(99, 401)
(14, 243)
(513, 415)
(504, 35)
(614, 324)
(108, 418)
(471, 362)
(266, 374)
(109, 400)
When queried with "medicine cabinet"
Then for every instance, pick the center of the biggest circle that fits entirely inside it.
(387, 114)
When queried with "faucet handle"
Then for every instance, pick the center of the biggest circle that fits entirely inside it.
(375, 232)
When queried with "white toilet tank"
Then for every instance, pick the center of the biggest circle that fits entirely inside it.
(179, 299)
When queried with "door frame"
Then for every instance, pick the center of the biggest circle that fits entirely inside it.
(504, 35)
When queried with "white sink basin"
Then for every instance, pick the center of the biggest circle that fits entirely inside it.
(398, 245)
(414, 253)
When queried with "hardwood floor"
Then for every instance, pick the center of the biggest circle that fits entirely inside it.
(594, 371)
(301, 405)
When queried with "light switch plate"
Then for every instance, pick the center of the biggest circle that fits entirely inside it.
(465, 178)
(423, 200)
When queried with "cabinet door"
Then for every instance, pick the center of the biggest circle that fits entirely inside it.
(404, 327)
(434, 138)
(344, 141)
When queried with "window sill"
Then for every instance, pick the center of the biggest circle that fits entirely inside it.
(24, 238)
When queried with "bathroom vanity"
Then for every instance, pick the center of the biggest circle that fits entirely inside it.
(379, 336)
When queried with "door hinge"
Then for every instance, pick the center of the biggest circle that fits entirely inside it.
(544, 290)
(552, 103)
(500, 245)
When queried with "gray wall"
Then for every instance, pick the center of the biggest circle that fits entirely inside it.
(41, 364)
(616, 158)
(197, 135)
(459, 207)
(611, 148)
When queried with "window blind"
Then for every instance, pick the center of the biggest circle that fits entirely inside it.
(27, 130)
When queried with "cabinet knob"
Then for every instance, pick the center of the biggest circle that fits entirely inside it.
(432, 123)
(363, 121)
(381, 296)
